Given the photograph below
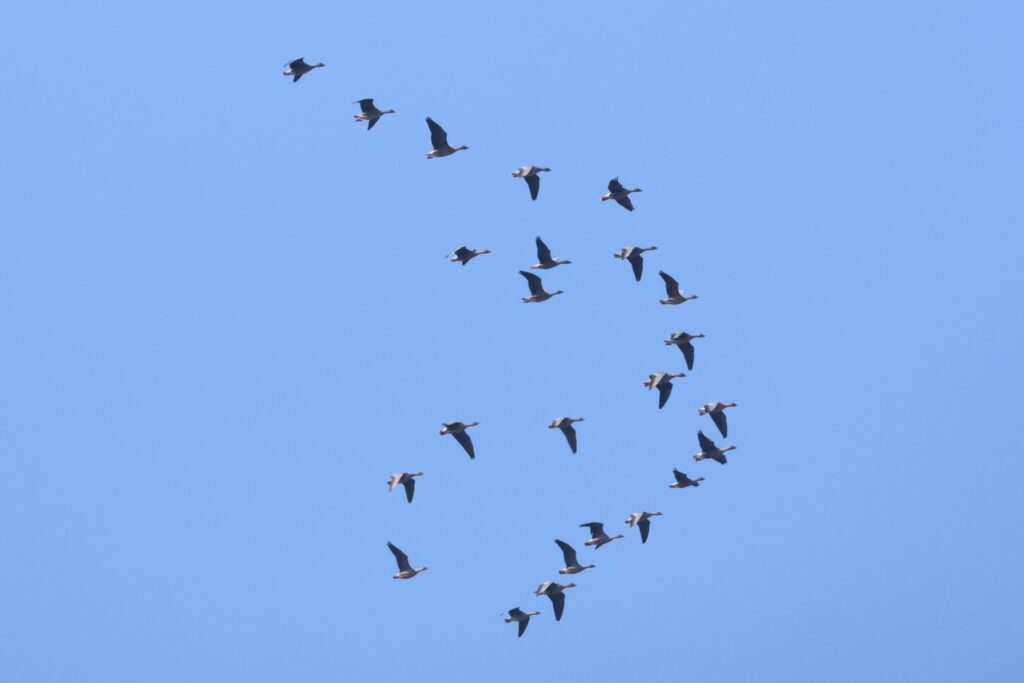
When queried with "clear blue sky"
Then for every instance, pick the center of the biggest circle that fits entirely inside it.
(227, 319)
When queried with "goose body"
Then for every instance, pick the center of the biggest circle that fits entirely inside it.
(530, 175)
(405, 570)
(544, 260)
(643, 521)
(682, 340)
(598, 537)
(464, 254)
(672, 290)
(663, 382)
(554, 592)
(717, 412)
(522, 618)
(406, 480)
(537, 291)
(297, 68)
(572, 565)
(565, 424)
(458, 431)
(439, 139)
(369, 112)
(682, 481)
(709, 451)
(634, 255)
(619, 193)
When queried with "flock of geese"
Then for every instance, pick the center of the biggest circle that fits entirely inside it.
(662, 381)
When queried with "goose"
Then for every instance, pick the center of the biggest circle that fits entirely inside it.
(464, 254)
(635, 257)
(682, 340)
(439, 139)
(619, 193)
(544, 260)
(717, 412)
(297, 68)
(663, 381)
(572, 565)
(565, 424)
(523, 618)
(682, 481)
(672, 290)
(597, 535)
(369, 112)
(404, 479)
(458, 430)
(708, 449)
(554, 591)
(537, 293)
(405, 570)
(643, 521)
(529, 174)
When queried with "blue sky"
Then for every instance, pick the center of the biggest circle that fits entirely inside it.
(228, 320)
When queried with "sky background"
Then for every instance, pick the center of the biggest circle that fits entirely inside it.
(227, 319)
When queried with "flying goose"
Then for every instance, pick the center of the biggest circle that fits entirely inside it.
(597, 535)
(554, 591)
(529, 174)
(682, 340)
(663, 381)
(635, 257)
(672, 290)
(439, 139)
(572, 566)
(458, 430)
(405, 570)
(369, 112)
(708, 449)
(642, 520)
(518, 615)
(619, 193)
(537, 293)
(682, 481)
(717, 412)
(297, 68)
(565, 424)
(464, 254)
(405, 479)
(544, 260)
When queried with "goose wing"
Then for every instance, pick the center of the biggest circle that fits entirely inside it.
(680, 476)
(438, 138)
(536, 287)
(671, 286)
(558, 602)
(614, 186)
(687, 350)
(410, 488)
(706, 444)
(296, 63)
(462, 252)
(400, 557)
(515, 612)
(596, 528)
(636, 260)
(719, 457)
(523, 623)
(625, 202)
(645, 528)
(568, 553)
(465, 442)
(367, 105)
(570, 435)
(664, 391)
(718, 417)
(533, 181)
(543, 253)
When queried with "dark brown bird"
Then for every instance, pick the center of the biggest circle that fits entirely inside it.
(297, 68)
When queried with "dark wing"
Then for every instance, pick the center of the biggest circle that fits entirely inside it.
(296, 63)
(373, 122)
(596, 528)
(534, 182)
(614, 186)
(543, 253)
(636, 260)
(400, 557)
(718, 417)
(671, 286)
(464, 440)
(664, 391)
(522, 626)
(410, 488)
(438, 138)
(680, 476)
(570, 435)
(536, 288)
(568, 553)
(706, 444)
(515, 612)
(719, 457)
(645, 528)
(463, 252)
(558, 601)
(367, 105)
(625, 202)
(687, 350)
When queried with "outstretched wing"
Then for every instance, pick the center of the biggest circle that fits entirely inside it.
(558, 601)
(718, 417)
(543, 253)
(614, 186)
(636, 260)
(410, 488)
(680, 476)
(596, 528)
(664, 391)
(438, 138)
(568, 552)
(463, 252)
(645, 528)
(522, 626)
(367, 105)
(372, 123)
(625, 202)
(570, 435)
(534, 182)
(536, 288)
(400, 557)
(706, 444)
(465, 442)
(687, 350)
(515, 612)
(671, 286)
(298, 62)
